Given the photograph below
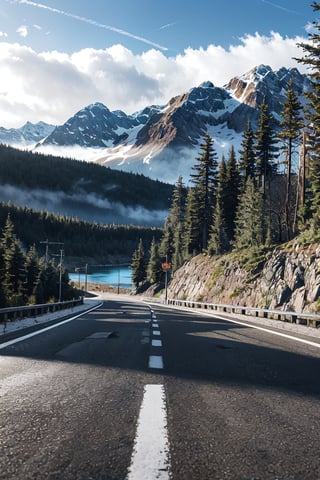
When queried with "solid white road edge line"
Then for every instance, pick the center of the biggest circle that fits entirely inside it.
(280, 334)
(150, 458)
(37, 332)
(250, 325)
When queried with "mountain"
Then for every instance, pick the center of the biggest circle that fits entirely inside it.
(27, 135)
(162, 142)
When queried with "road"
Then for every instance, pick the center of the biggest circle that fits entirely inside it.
(131, 391)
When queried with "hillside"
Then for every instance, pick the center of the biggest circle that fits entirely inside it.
(286, 278)
(80, 189)
(80, 239)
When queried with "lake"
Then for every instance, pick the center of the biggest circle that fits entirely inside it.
(114, 276)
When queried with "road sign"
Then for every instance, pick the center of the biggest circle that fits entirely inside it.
(166, 266)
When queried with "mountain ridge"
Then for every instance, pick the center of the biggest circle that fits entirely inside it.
(162, 141)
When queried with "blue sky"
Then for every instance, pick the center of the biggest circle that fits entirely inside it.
(58, 56)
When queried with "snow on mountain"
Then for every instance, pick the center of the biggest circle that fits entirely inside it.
(27, 135)
(163, 141)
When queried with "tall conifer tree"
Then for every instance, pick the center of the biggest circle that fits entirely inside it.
(219, 242)
(204, 180)
(247, 156)
(249, 218)
(266, 151)
(14, 273)
(232, 190)
(312, 61)
(290, 135)
(154, 270)
(172, 242)
(138, 265)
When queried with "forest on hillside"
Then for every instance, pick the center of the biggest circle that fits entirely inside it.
(36, 248)
(28, 170)
(79, 238)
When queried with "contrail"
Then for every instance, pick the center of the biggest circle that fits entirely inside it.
(168, 25)
(280, 7)
(92, 22)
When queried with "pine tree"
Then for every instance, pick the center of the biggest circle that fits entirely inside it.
(266, 151)
(249, 218)
(171, 244)
(247, 156)
(265, 147)
(138, 265)
(191, 227)
(312, 60)
(167, 241)
(290, 135)
(14, 273)
(204, 180)
(218, 242)
(32, 271)
(232, 190)
(154, 270)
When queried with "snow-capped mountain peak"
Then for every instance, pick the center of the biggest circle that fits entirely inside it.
(162, 141)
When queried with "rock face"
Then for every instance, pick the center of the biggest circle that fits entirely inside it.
(287, 280)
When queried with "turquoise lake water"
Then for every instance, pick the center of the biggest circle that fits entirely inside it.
(114, 276)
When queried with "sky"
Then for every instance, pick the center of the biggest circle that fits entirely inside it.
(57, 56)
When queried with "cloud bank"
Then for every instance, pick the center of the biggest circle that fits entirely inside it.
(52, 86)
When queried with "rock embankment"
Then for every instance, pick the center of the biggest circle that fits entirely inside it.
(286, 279)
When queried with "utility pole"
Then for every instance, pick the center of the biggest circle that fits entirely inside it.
(86, 279)
(47, 243)
(60, 275)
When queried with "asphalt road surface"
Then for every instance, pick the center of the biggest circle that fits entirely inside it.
(138, 392)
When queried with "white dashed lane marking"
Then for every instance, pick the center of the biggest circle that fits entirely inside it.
(150, 458)
(155, 361)
(155, 358)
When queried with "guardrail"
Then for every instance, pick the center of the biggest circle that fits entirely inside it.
(309, 319)
(14, 313)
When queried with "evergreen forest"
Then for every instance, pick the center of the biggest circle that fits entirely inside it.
(28, 170)
(28, 275)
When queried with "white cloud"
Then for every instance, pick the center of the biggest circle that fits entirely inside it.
(52, 86)
(3, 34)
(22, 31)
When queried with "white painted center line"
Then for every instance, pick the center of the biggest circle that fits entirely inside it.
(155, 325)
(150, 458)
(155, 361)
(156, 332)
(156, 343)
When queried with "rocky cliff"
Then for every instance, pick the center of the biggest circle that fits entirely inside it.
(287, 278)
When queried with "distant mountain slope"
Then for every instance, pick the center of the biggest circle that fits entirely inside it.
(80, 189)
(162, 141)
(28, 134)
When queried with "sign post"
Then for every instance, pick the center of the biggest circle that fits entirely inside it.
(166, 267)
